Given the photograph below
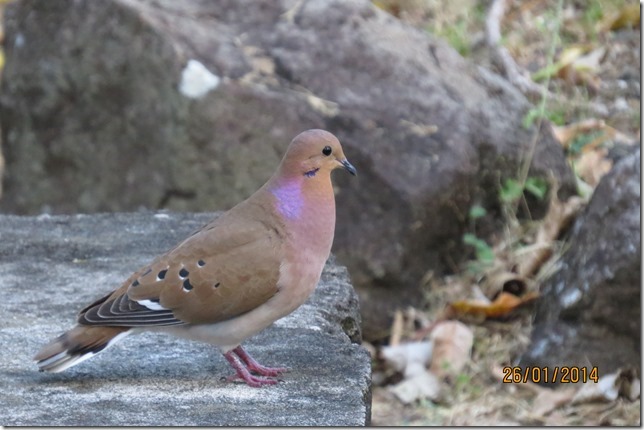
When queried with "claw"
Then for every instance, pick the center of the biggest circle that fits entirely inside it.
(243, 372)
(251, 380)
(254, 366)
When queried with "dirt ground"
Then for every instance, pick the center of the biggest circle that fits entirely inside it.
(587, 55)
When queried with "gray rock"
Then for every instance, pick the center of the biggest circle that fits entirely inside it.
(51, 266)
(590, 310)
(91, 106)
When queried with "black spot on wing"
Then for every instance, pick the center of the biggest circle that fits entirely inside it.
(187, 286)
(183, 273)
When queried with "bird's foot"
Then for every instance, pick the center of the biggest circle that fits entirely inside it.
(267, 371)
(251, 380)
(244, 364)
(255, 367)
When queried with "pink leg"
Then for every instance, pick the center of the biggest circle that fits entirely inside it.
(243, 373)
(254, 366)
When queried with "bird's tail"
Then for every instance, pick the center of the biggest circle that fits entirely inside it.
(77, 345)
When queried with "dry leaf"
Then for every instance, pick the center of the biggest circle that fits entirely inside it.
(634, 390)
(592, 165)
(548, 400)
(622, 383)
(453, 342)
(578, 64)
(582, 69)
(409, 358)
(606, 390)
(627, 17)
(629, 383)
(591, 61)
(478, 295)
(571, 54)
(567, 133)
(422, 385)
(502, 306)
(396, 329)
(406, 325)
(559, 217)
(579, 76)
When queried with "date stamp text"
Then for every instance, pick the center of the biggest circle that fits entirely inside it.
(561, 374)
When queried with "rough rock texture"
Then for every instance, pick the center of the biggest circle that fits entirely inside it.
(50, 267)
(590, 312)
(94, 119)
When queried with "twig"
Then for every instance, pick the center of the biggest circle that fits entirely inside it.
(527, 162)
(502, 58)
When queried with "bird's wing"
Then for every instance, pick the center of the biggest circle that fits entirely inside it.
(221, 271)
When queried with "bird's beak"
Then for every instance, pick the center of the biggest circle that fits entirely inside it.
(348, 166)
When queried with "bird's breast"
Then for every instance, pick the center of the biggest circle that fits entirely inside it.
(297, 281)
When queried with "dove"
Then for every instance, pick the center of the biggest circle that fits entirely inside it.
(251, 266)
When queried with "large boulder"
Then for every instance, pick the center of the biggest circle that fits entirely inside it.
(590, 311)
(52, 266)
(121, 104)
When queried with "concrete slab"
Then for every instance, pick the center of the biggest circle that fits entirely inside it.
(51, 266)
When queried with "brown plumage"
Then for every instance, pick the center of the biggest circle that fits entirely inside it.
(226, 282)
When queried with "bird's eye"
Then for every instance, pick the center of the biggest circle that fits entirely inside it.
(326, 150)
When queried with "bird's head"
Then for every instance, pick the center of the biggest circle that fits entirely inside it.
(313, 152)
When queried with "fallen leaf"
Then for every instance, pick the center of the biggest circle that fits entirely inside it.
(592, 165)
(409, 358)
(582, 69)
(634, 391)
(396, 328)
(606, 390)
(565, 134)
(548, 400)
(559, 216)
(566, 57)
(502, 306)
(629, 384)
(422, 385)
(577, 64)
(452, 342)
(627, 17)
(555, 419)
(571, 54)
(605, 135)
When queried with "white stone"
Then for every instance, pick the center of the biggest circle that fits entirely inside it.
(570, 298)
(197, 80)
